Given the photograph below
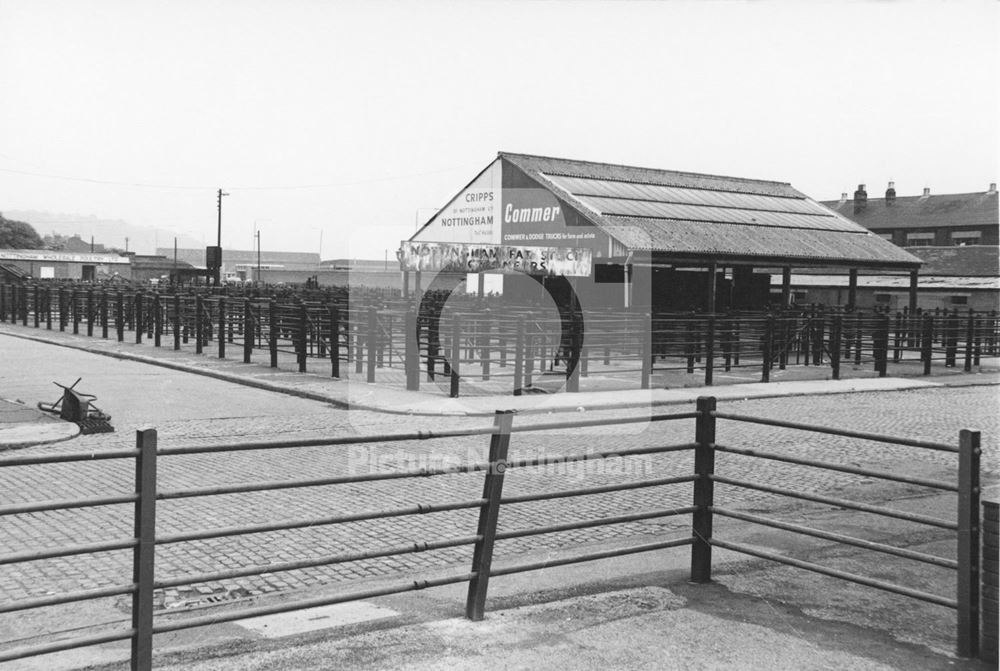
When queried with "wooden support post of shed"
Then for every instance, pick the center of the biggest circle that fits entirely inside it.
(416, 284)
(481, 291)
(406, 284)
(914, 276)
(786, 287)
(852, 289)
(713, 269)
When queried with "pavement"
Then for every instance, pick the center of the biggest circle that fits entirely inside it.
(631, 612)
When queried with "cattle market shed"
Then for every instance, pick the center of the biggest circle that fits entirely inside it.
(620, 235)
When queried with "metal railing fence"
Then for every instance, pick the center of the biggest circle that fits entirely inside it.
(143, 544)
(508, 349)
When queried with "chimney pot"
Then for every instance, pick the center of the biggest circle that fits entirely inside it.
(890, 194)
(993, 187)
(860, 199)
(927, 191)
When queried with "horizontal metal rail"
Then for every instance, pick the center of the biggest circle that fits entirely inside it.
(835, 573)
(68, 597)
(837, 467)
(550, 426)
(943, 447)
(589, 456)
(308, 603)
(411, 548)
(43, 506)
(596, 522)
(321, 442)
(842, 503)
(321, 482)
(68, 551)
(592, 556)
(68, 644)
(68, 457)
(524, 498)
(839, 538)
(420, 508)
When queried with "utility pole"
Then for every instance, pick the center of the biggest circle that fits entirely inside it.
(218, 241)
(257, 234)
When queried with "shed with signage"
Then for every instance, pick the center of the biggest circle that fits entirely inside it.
(619, 235)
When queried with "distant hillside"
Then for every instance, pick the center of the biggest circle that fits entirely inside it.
(108, 232)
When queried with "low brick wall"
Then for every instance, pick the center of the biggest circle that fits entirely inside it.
(991, 579)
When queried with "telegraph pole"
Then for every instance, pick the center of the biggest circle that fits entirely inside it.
(218, 242)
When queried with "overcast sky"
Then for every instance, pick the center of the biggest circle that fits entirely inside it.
(352, 120)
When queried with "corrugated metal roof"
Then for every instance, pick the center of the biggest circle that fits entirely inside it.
(697, 237)
(687, 213)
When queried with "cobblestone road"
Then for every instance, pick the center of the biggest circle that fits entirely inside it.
(936, 414)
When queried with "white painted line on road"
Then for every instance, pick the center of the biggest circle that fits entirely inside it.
(313, 619)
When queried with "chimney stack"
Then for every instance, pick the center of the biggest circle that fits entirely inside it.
(843, 197)
(890, 194)
(860, 199)
(927, 192)
(993, 187)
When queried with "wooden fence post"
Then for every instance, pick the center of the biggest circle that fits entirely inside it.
(143, 556)
(704, 491)
(411, 352)
(968, 542)
(489, 512)
(969, 336)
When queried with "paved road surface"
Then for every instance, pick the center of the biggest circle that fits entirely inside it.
(188, 409)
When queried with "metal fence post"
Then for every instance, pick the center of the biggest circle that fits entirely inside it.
(646, 351)
(90, 313)
(969, 452)
(519, 357)
(248, 331)
(765, 349)
(456, 354)
(881, 345)
(489, 512)
(74, 310)
(704, 491)
(709, 350)
(104, 314)
(222, 327)
(969, 337)
(139, 318)
(927, 343)
(157, 320)
(199, 327)
(272, 331)
(334, 341)
(372, 342)
(119, 316)
(836, 330)
(143, 556)
(412, 351)
(177, 321)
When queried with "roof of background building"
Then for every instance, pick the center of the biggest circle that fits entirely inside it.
(931, 211)
(966, 260)
(689, 214)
